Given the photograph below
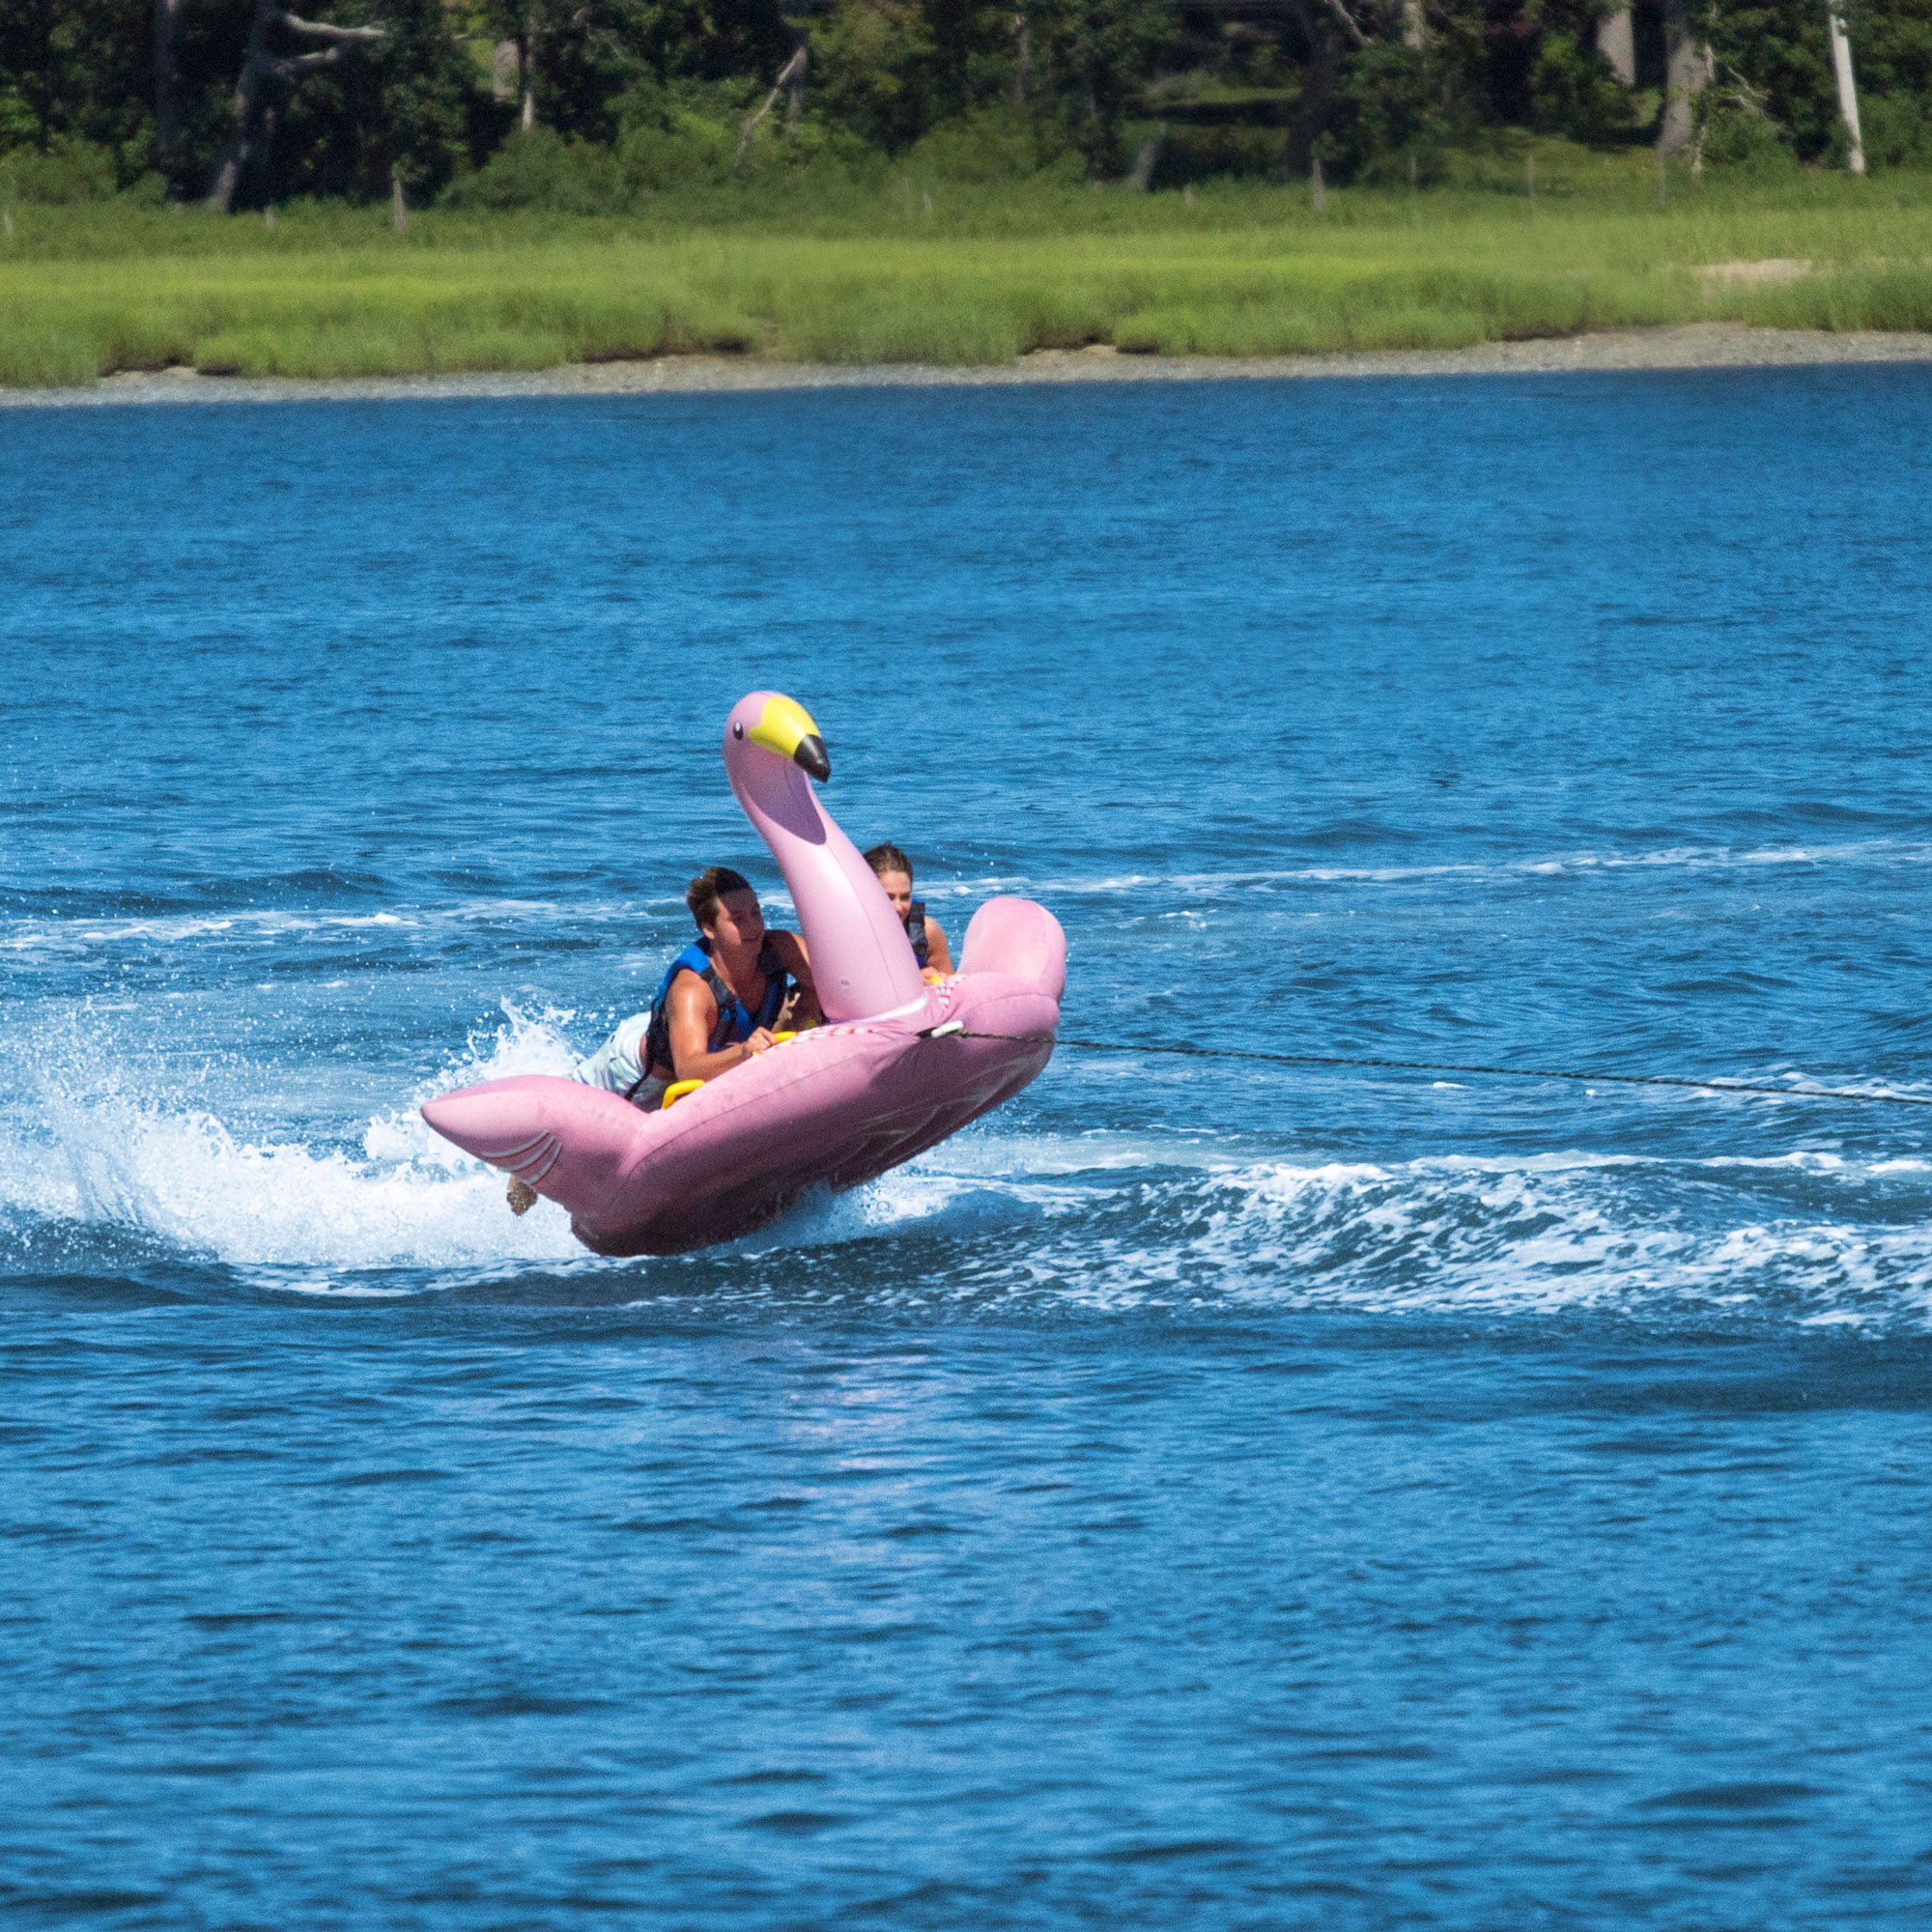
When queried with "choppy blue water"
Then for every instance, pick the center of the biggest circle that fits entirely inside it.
(1200, 1495)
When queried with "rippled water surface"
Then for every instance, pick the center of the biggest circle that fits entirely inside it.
(1205, 1492)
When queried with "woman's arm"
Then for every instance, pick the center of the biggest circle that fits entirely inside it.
(938, 954)
(793, 958)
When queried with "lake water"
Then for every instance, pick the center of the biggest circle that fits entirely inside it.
(1205, 1492)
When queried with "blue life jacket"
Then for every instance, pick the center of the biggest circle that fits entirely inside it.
(735, 1020)
(915, 926)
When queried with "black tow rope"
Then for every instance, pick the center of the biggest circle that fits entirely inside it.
(954, 1030)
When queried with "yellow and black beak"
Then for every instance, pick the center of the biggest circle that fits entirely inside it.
(785, 727)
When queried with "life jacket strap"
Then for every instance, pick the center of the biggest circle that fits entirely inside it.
(734, 1021)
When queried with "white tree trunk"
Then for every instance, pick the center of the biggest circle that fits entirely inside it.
(1848, 93)
(1414, 26)
(1687, 74)
(505, 72)
(1140, 176)
(1616, 41)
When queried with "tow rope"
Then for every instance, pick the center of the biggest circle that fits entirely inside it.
(953, 1031)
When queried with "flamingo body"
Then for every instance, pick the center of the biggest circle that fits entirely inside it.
(834, 1107)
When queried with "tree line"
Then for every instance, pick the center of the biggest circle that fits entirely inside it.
(594, 102)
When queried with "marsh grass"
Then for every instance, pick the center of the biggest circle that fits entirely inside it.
(861, 273)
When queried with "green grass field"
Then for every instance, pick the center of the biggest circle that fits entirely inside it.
(904, 271)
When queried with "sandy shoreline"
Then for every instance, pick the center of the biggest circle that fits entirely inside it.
(1698, 346)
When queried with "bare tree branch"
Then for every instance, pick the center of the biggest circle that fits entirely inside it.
(304, 63)
(791, 76)
(1349, 26)
(325, 30)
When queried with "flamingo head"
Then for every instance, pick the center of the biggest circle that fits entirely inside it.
(769, 724)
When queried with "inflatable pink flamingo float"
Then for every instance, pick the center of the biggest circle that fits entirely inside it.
(899, 1067)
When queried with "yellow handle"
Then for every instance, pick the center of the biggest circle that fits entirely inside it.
(779, 1039)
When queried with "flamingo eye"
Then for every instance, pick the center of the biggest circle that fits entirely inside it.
(737, 731)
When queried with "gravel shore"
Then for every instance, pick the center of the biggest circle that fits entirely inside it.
(1700, 346)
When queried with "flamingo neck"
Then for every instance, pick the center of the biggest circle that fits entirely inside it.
(862, 962)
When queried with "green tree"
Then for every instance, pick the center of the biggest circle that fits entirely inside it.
(1893, 51)
(1096, 57)
(977, 52)
(576, 63)
(873, 69)
(1772, 59)
(74, 69)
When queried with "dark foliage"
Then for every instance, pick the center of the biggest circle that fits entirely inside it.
(593, 104)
